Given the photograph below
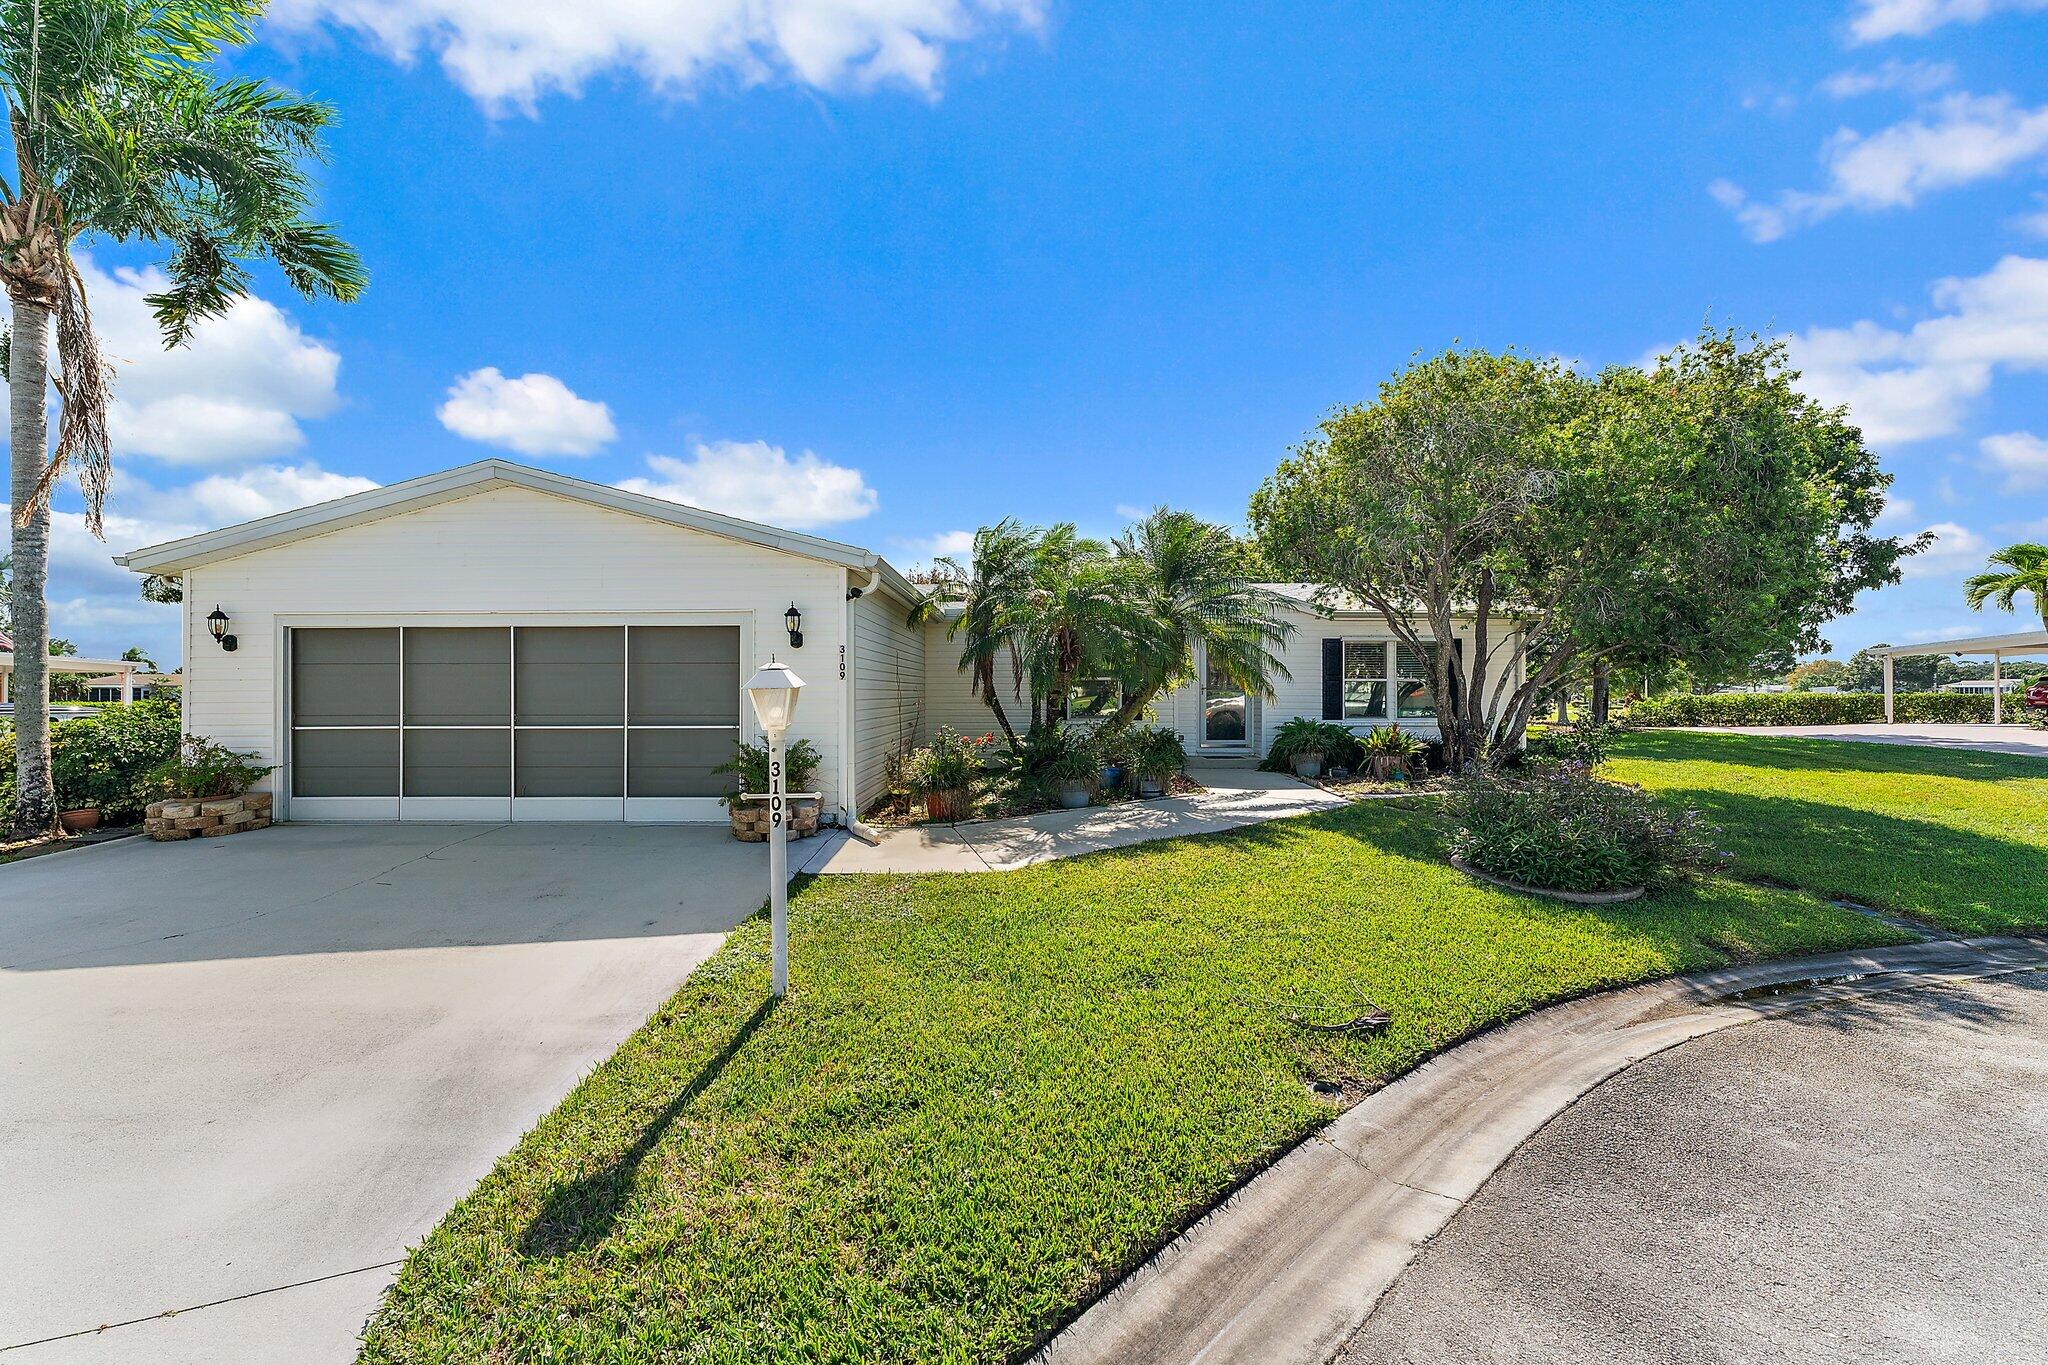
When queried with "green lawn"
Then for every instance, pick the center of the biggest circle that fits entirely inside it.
(989, 1095)
(1958, 838)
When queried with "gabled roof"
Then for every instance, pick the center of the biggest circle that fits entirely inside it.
(177, 556)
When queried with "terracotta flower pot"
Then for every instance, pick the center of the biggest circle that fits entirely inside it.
(80, 820)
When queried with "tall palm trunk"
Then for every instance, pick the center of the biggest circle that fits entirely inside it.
(28, 374)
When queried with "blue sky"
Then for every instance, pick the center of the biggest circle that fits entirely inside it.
(890, 269)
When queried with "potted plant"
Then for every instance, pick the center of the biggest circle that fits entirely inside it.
(1156, 755)
(1073, 775)
(1303, 746)
(79, 819)
(1113, 750)
(943, 773)
(749, 763)
(1391, 750)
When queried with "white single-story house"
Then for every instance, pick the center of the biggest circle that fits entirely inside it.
(497, 642)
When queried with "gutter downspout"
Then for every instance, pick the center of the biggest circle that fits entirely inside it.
(849, 666)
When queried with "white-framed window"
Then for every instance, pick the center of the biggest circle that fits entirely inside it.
(1365, 680)
(1377, 672)
(1415, 681)
(1094, 698)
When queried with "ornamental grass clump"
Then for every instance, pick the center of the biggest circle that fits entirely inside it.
(1558, 827)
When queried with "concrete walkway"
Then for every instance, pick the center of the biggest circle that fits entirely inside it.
(1235, 797)
(1990, 739)
(1286, 1270)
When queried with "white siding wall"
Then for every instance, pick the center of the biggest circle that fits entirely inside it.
(888, 688)
(1301, 694)
(505, 552)
(948, 698)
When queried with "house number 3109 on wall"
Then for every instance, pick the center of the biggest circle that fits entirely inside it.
(842, 663)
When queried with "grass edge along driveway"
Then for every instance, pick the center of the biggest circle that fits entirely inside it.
(1950, 836)
(990, 1095)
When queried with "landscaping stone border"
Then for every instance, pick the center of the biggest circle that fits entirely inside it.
(165, 821)
(750, 820)
(1626, 893)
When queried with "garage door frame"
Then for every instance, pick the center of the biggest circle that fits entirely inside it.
(630, 809)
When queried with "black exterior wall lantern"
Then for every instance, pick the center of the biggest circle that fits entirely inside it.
(217, 627)
(793, 622)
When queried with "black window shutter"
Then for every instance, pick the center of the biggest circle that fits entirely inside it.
(1333, 680)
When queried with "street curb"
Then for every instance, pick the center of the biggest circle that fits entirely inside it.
(1287, 1268)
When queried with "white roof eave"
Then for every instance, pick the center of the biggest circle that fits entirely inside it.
(177, 556)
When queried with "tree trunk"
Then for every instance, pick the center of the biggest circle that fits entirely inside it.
(35, 804)
(1601, 689)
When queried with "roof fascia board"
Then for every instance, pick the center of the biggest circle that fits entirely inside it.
(431, 489)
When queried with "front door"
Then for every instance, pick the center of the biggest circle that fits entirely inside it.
(1229, 716)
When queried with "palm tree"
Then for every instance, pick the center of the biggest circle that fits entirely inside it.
(1081, 617)
(992, 588)
(1195, 591)
(122, 132)
(2026, 570)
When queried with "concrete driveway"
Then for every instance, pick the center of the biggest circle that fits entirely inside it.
(249, 1072)
(1850, 1184)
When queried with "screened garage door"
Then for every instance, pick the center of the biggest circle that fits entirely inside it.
(620, 722)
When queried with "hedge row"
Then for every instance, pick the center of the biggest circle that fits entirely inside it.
(1811, 708)
(100, 760)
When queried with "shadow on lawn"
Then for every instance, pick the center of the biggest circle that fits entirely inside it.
(1795, 754)
(578, 1214)
(1886, 861)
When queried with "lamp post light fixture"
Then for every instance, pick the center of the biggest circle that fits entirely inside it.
(217, 627)
(793, 622)
(773, 690)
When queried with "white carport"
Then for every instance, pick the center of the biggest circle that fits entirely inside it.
(1997, 646)
(121, 672)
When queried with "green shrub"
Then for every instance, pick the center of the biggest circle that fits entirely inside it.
(1555, 825)
(749, 763)
(950, 762)
(100, 760)
(1049, 755)
(1157, 753)
(1587, 744)
(1806, 708)
(1307, 735)
(201, 769)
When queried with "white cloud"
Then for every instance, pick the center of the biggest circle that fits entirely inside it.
(1916, 78)
(922, 550)
(508, 53)
(1917, 383)
(1130, 511)
(1958, 140)
(97, 604)
(759, 482)
(1897, 512)
(2021, 457)
(535, 414)
(1875, 20)
(2034, 220)
(236, 391)
(1956, 549)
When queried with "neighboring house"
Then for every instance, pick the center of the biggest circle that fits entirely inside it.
(142, 685)
(1983, 687)
(497, 642)
(120, 675)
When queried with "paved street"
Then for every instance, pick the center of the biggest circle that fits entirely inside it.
(1856, 1184)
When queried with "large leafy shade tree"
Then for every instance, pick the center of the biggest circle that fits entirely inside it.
(1701, 514)
(2022, 568)
(122, 132)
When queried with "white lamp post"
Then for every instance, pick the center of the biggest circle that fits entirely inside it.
(773, 690)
